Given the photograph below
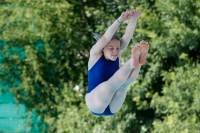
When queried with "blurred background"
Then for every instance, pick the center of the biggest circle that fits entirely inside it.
(44, 49)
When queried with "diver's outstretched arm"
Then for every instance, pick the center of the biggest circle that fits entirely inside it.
(130, 29)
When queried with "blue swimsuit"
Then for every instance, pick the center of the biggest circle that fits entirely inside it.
(100, 72)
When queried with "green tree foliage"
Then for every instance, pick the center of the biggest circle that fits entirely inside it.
(170, 77)
(46, 48)
(181, 93)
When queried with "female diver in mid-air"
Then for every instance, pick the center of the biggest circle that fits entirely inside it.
(107, 83)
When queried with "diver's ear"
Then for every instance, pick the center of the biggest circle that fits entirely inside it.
(103, 50)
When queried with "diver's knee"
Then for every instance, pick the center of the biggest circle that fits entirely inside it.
(94, 105)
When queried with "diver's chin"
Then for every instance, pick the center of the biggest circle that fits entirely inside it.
(114, 58)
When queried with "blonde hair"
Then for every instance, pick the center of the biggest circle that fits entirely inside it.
(98, 36)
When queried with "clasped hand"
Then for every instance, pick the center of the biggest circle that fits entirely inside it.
(128, 14)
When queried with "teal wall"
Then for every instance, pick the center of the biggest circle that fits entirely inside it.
(13, 117)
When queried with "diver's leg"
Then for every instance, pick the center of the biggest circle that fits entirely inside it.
(120, 94)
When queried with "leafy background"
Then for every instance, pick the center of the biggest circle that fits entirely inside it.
(45, 47)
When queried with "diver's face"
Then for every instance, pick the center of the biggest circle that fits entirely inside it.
(112, 50)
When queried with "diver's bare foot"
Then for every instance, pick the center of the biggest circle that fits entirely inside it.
(144, 50)
(136, 51)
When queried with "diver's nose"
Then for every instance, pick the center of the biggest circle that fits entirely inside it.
(115, 51)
